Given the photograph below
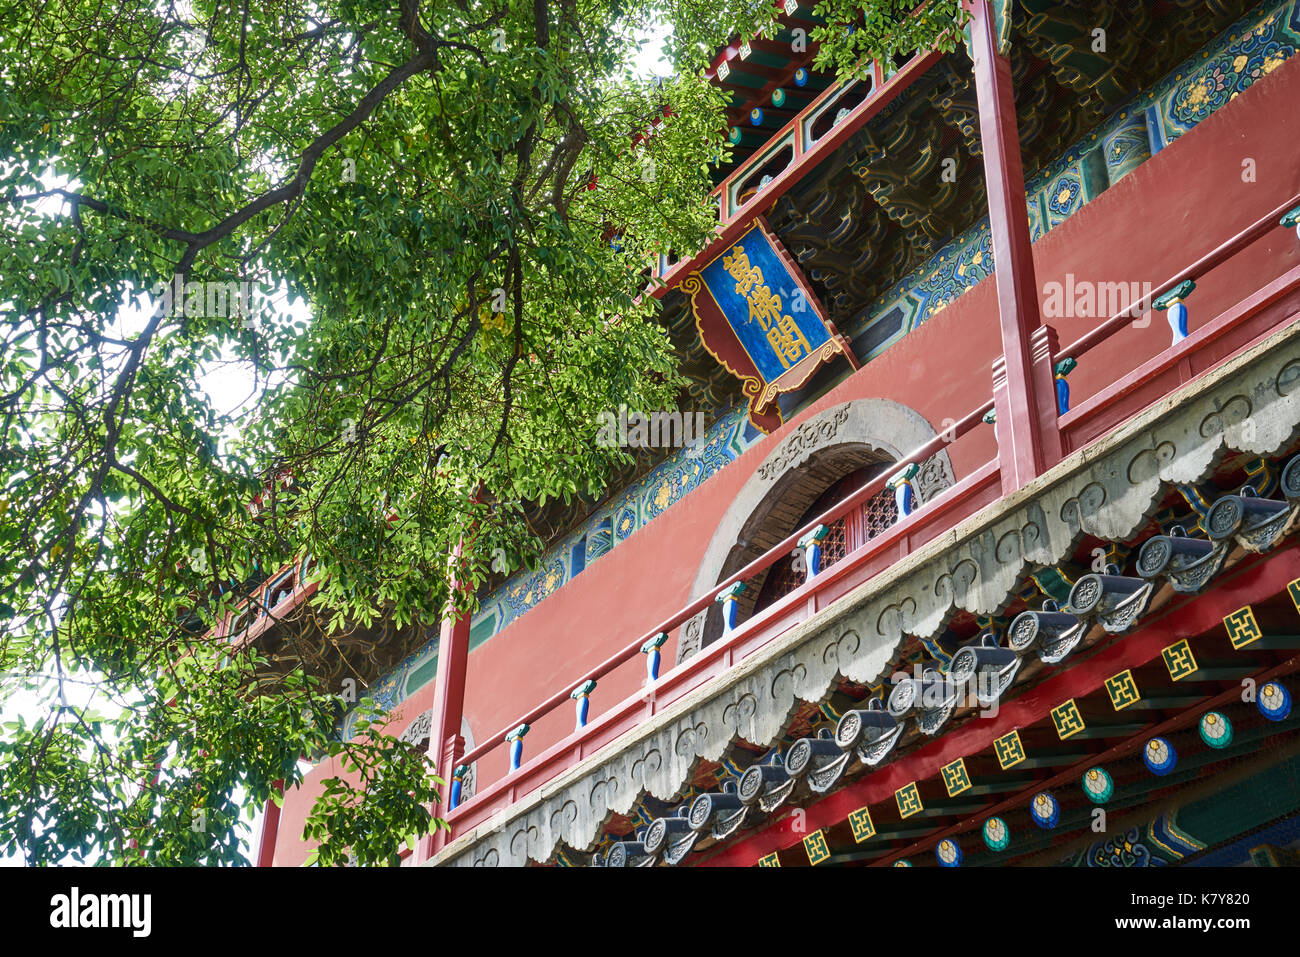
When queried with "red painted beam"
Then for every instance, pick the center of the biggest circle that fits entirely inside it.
(1193, 616)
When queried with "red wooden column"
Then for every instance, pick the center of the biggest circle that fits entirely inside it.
(1025, 448)
(446, 746)
(270, 829)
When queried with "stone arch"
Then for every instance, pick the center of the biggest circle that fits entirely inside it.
(830, 445)
(418, 733)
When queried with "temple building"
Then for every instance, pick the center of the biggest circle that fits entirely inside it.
(989, 549)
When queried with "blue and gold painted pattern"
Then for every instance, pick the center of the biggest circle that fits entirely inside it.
(1248, 52)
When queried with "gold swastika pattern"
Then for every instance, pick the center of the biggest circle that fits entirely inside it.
(955, 778)
(1242, 627)
(815, 845)
(771, 860)
(1009, 750)
(1293, 590)
(1179, 660)
(909, 800)
(1123, 690)
(1067, 719)
(863, 828)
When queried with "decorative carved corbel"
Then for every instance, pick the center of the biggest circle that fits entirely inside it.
(1052, 633)
(819, 760)
(990, 668)
(871, 731)
(1113, 600)
(1256, 524)
(929, 701)
(1187, 564)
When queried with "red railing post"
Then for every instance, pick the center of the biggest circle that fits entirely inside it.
(1044, 350)
(1020, 439)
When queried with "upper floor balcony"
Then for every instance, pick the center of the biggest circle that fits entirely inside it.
(1036, 389)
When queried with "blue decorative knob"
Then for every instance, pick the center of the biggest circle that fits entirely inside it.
(516, 739)
(1274, 701)
(948, 852)
(1177, 310)
(729, 597)
(756, 116)
(1160, 756)
(1063, 369)
(1045, 810)
(801, 79)
(458, 784)
(651, 650)
(579, 696)
(901, 483)
(812, 546)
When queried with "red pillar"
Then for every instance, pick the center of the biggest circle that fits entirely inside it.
(270, 829)
(446, 746)
(1023, 448)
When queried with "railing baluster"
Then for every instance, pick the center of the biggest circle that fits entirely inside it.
(458, 784)
(1063, 369)
(516, 741)
(582, 705)
(812, 548)
(730, 598)
(651, 650)
(1177, 309)
(904, 494)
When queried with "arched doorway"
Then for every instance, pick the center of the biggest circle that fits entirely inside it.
(842, 537)
(819, 463)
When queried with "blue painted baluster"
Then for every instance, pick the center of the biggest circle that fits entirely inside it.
(581, 704)
(1063, 369)
(1292, 220)
(904, 494)
(1177, 309)
(651, 650)
(516, 739)
(458, 784)
(812, 549)
(991, 417)
(729, 597)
